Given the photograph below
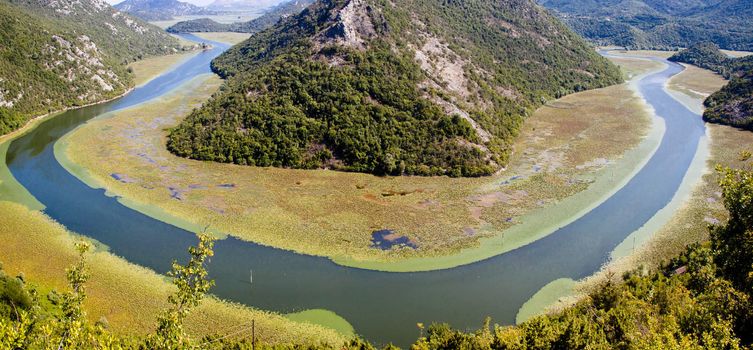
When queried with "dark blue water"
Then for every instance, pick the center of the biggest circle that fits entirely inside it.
(383, 307)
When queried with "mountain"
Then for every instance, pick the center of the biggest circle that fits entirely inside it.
(705, 55)
(426, 87)
(708, 56)
(660, 24)
(62, 53)
(268, 19)
(200, 25)
(161, 10)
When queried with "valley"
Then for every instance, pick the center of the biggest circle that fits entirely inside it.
(145, 135)
(372, 173)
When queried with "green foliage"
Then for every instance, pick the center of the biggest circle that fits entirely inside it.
(701, 299)
(708, 56)
(733, 242)
(733, 104)
(200, 25)
(192, 284)
(14, 297)
(298, 98)
(51, 60)
(698, 300)
(660, 24)
(704, 55)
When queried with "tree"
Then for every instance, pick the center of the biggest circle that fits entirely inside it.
(193, 284)
(733, 242)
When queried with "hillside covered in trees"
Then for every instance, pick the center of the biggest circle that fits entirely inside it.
(426, 87)
(660, 24)
(733, 104)
(701, 299)
(708, 56)
(268, 19)
(62, 53)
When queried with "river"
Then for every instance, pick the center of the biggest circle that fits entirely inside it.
(383, 307)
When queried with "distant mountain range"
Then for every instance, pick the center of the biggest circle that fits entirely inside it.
(63, 53)
(161, 10)
(661, 24)
(268, 19)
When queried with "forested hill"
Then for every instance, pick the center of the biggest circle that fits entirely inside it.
(268, 19)
(707, 55)
(61, 53)
(733, 104)
(419, 87)
(660, 24)
(161, 10)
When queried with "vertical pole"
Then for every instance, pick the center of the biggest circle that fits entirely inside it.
(253, 334)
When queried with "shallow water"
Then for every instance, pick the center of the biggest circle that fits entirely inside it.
(383, 307)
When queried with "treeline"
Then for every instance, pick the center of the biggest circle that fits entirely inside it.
(297, 97)
(701, 299)
(733, 104)
(708, 56)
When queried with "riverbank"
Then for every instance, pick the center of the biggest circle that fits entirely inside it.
(684, 220)
(127, 295)
(571, 154)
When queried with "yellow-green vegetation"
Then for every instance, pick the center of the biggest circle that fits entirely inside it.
(426, 88)
(632, 67)
(148, 69)
(325, 318)
(737, 54)
(224, 37)
(547, 295)
(699, 299)
(696, 83)
(128, 296)
(95, 41)
(573, 144)
(701, 206)
(646, 53)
